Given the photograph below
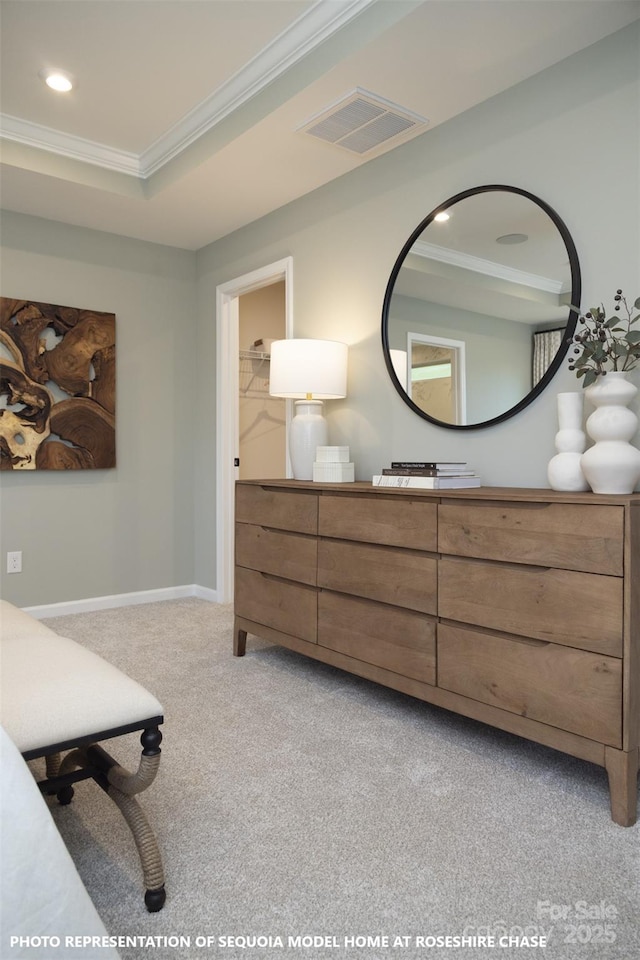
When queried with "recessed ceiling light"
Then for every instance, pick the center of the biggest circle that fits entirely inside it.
(57, 80)
(442, 217)
(510, 238)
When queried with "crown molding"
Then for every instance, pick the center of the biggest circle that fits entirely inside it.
(295, 43)
(324, 19)
(67, 145)
(489, 268)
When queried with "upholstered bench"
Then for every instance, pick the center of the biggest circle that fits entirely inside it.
(59, 698)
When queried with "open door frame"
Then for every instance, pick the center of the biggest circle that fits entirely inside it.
(227, 387)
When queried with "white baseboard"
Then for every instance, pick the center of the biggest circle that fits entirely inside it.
(121, 600)
(205, 593)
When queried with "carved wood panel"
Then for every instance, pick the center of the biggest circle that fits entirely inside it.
(57, 387)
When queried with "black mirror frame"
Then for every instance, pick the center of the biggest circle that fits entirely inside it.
(576, 292)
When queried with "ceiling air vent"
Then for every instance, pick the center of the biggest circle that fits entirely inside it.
(362, 122)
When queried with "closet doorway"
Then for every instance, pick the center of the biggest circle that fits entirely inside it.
(238, 316)
(261, 418)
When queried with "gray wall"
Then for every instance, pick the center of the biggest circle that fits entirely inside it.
(91, 533)
(569, 135)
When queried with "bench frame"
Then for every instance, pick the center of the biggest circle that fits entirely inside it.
(85, 760)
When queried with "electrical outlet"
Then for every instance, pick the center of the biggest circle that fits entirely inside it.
(14, 561)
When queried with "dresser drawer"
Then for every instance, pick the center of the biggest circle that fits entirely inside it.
(578, 609)
(397, 522)
(289, 555)
(571, 689)
(289, 607)
(404, 578)
(385, 636)
(565, 535)
(282, 509)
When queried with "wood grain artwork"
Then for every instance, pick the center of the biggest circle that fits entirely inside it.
(57, 387)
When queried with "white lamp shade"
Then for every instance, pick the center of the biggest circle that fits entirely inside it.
(308, 368)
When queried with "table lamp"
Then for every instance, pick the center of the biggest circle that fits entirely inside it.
(307, 371)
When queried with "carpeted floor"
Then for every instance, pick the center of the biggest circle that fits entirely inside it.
(334, 819)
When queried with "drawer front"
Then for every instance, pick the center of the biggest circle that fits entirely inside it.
(578, 609)
(565, 535)
(387, 637)
(566, 688)
(397, 522)
(291, 608)
(400, 577)
(289, 555)
(282, 509)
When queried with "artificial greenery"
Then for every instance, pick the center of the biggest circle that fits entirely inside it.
(606, 343)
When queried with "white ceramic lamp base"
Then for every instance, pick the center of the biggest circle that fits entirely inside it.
(308, 430)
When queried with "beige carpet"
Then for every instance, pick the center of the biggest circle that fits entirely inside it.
(335, 819)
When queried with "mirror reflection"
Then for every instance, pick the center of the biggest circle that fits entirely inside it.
(476, 316)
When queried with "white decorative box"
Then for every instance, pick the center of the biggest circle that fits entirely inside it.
(332, 455)
(336, 472)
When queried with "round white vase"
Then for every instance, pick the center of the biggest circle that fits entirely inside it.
(612, 464)
(564, 471)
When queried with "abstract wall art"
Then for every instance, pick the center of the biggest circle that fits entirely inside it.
(57, 387)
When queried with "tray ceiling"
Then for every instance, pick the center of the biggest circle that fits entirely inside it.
(188, 117)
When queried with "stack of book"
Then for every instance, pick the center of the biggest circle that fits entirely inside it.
(437, 475)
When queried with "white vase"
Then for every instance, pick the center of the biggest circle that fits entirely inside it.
(612, 464)
(564, 471)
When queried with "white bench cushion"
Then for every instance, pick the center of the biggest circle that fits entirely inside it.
(53, 690)
(14, 622)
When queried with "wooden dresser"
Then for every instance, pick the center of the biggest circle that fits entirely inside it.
(517, 607)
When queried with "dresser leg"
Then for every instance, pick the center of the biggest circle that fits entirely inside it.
(239, 642)
(622, 769)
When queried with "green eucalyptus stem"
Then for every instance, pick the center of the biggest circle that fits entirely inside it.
(606, 343)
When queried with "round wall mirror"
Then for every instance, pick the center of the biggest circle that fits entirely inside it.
(476, 317)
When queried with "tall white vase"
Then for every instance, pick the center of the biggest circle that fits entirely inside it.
(564, 471)
(612, 464)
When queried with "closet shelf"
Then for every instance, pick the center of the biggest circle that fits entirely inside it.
(257, 359)
(253, 355)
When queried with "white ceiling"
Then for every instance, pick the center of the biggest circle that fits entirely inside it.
(183, 124)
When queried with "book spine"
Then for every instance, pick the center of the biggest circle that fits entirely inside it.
(425, 483)
(410, 472)
(426, 465)
(426, 472)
